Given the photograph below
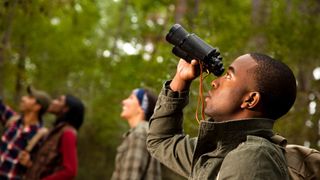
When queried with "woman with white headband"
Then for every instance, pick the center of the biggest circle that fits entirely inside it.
(133, 161)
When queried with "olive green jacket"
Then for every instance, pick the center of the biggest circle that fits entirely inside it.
(227, 150)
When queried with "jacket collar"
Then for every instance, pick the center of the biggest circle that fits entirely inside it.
(218, 138)
(234, 131)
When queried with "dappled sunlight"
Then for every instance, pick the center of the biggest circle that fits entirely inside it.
(55, 21)
(316, 73)
(100, 50)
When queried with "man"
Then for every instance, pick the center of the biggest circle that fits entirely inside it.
(242, 105)
(133, 161)
(19, 130)
(56, 158)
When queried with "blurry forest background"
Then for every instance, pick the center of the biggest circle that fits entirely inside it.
(99, 50)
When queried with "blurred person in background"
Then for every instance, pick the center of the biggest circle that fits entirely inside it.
(19, 130)
(133, 161)
(56, 158)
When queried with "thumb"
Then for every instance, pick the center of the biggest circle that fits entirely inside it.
(194, 62)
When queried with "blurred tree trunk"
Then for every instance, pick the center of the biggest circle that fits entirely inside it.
(7, 20)
(119, 31)
(194, 14)
(21, 70)
(306, 85)
(180, 10)
(313, 134)
(182, 7)
(260, 13)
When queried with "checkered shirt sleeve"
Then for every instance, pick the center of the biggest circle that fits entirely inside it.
(14, 139)
(133, 161)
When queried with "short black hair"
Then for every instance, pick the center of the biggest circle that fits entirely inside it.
(277, 85)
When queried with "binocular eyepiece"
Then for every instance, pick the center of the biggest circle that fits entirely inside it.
(189, 46)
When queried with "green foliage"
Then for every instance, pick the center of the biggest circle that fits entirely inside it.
(101, 50)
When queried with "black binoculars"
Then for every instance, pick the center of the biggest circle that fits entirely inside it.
(189, 46)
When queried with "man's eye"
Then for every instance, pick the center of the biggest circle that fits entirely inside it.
(227, 76)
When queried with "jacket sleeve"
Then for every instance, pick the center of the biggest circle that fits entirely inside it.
(166, 141)
(68, 149)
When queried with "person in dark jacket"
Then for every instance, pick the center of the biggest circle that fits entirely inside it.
(56, 158)
(242, 105)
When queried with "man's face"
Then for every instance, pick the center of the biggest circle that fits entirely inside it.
(224, 100)
(58, 105)
(29, 103)
(130, 107)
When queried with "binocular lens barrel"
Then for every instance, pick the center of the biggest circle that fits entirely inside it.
(176, 35)
(190, 46)
(181, 53)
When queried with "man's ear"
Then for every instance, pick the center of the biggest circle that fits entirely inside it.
(251, 100)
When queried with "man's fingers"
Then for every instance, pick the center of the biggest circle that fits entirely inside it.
(194, 62)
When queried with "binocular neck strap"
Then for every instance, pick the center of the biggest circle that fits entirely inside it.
(200, 96)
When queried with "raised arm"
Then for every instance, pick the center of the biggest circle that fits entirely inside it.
(5, 113)
(166, 140)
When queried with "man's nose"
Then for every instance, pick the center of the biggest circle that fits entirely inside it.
(215, 83)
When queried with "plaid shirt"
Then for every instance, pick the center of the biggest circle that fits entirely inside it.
(14, 139)
(133, 161)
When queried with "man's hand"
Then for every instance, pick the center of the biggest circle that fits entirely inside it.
(24, 159)
(186, 73)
